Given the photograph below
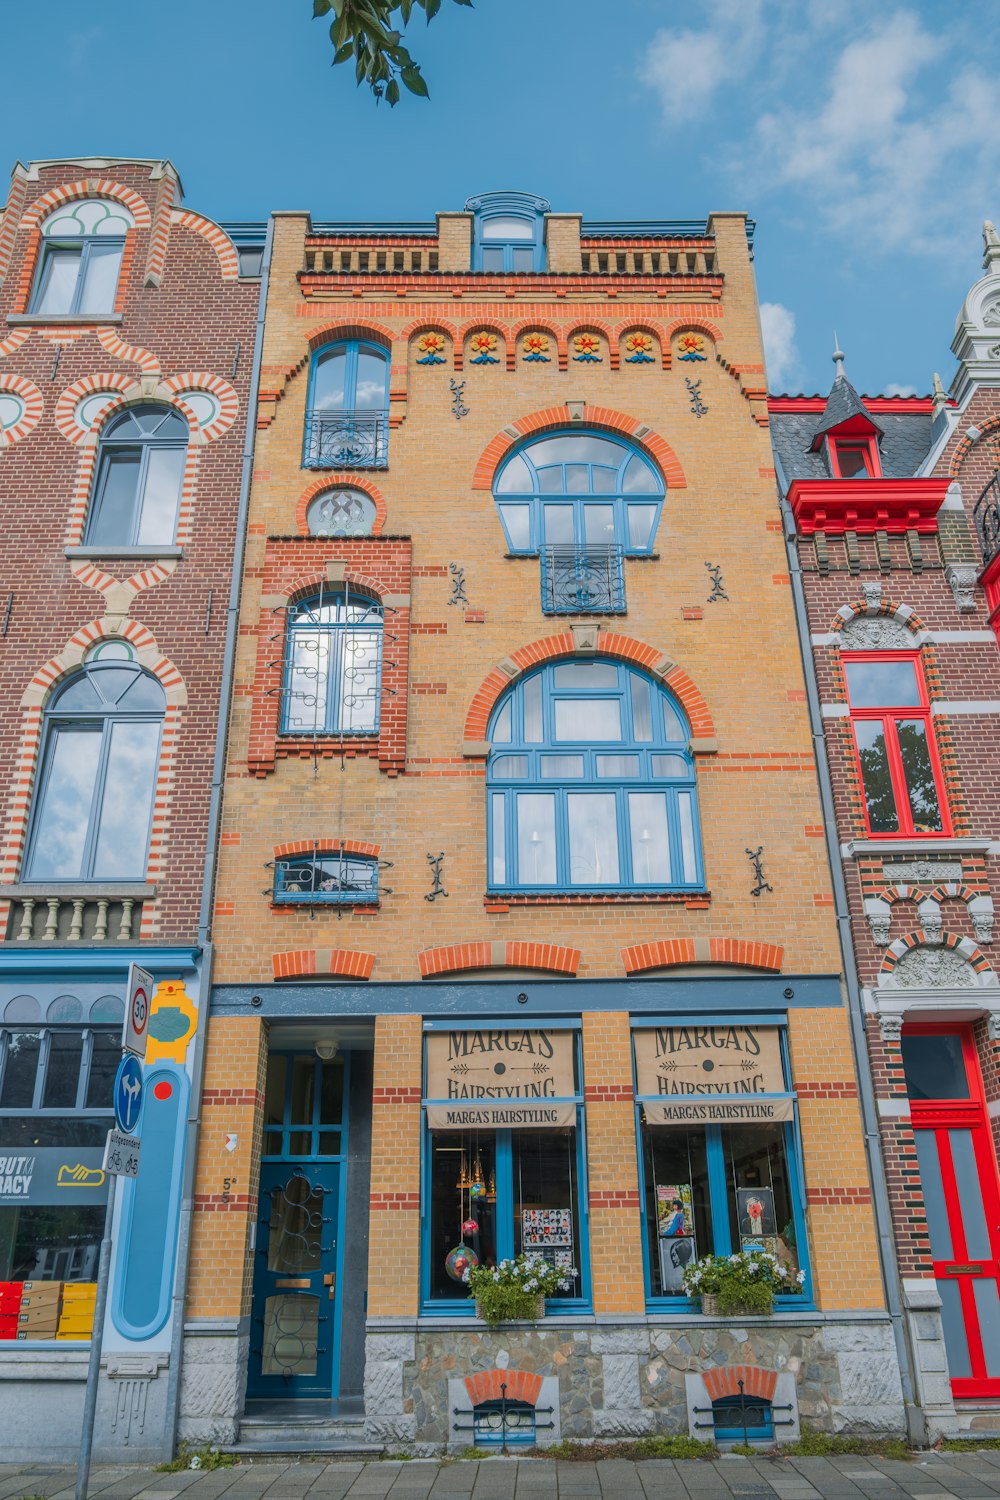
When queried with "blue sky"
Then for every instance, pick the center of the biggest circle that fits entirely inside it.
(861, 137)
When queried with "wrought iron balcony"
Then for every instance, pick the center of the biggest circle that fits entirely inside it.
(987, 518)
(582, 580)
(325, 877)
(347, 440)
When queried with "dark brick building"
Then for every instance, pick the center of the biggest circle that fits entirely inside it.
(891, 507)
(126, 358)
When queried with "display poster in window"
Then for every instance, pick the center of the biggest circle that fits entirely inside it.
(675, 1231)
(52, 1176)
(755, 1213)
(542, 1227)
(710, 1075)
(498, 1079)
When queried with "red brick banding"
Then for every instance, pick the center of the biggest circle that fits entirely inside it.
(456, 957)
(302, 963)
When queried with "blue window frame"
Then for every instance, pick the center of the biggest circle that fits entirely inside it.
(326, 877)
(94, 796)
(140, 472)
(509, 232)
(82, 245)
(516, 1170)
(590, 784)
(691, 1176)
(347, 410)
(333, 665)
(579, 489)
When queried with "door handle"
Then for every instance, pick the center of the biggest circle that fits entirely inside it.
(330, 1280)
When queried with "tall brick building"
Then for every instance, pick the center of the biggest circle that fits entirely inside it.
(894, 525)
(126, 352)
(524, 928)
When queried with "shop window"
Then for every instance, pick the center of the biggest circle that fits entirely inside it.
(590, 784)
(347, 417)
(140, 471)
(579, 490)
(718, 1150)
(500, 1190)
(325, 877)
(333, 665)
(94, 792)
(82, 245)
(56, 1087)
(894, 737)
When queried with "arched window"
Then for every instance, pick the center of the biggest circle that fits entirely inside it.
(82, 246)
(140, 470)
(508, 232)
(591, 784)
(347, 421)
(333, 665)
(341, 513)
(94, 796)
(579, 489)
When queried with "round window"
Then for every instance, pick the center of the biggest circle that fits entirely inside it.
(341, 513)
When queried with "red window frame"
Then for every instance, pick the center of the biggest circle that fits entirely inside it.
(869, 447)
(889, 716)
(970, 1114)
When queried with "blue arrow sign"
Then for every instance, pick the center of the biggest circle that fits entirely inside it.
(128, 1094)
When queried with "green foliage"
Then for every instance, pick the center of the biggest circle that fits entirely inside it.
(512, 1288)
(743, 1283)
(815, 1444)
(371, 31)
(197, 1458)
(965, 1445)
(659, 1446)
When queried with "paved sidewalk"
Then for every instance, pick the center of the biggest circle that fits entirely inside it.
(946, 1476)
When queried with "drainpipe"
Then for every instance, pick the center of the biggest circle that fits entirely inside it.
(915, 1423)
(208, 884)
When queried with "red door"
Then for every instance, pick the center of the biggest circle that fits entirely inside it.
(958, 1175)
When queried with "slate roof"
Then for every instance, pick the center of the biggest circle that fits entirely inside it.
(905, 443)
(843, 403)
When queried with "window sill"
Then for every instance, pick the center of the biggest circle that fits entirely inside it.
(924, 843)
(144, 553)
(72, 890)
(503, 900)
(62, 320)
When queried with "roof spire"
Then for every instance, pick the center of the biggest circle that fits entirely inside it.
(991, 245)
(838, 357)
(940, 394)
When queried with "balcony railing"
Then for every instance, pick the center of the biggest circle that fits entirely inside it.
(347, 440)
(582, 580)
(325, 878)
(74, 913)
(987, 518)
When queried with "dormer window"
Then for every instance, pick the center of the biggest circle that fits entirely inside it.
(852, 460)
(508, 234)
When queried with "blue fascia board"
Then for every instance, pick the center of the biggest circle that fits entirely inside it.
(701, 995)
(97, 962)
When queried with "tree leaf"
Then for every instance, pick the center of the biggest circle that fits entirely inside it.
(343, 53)
(432, 7)
(320, 7)
(405, 9)
(414, 82)
(392, 92)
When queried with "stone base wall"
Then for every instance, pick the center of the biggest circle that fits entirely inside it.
(41, 1398)
(629, 1378)
(213, 1385)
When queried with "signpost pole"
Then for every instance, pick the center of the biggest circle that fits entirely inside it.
(96, 1345)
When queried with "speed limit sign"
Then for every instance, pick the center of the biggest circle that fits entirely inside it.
(140, 995)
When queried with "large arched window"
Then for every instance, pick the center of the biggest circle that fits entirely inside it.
(591, 784)
(94, 797)
(579, 489)
(81, 258)
(140, 471)
(347, 421)
(333, 665)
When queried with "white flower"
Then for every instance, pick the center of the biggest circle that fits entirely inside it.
(465, 1274)
(800, 1277)
(752, 1268)
(734, 1260)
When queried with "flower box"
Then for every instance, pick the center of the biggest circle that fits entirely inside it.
(533, 1310)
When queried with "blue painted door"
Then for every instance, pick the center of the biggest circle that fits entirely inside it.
(295, 1327)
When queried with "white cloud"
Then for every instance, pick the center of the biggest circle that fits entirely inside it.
(710, 57)
(900, 390)
(781, 354)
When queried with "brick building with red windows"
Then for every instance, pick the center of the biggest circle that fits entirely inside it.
(127, 336)
(891, 507)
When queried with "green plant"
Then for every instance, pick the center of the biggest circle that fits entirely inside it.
(965, 1445)
(371, 31)
(744, 1282)
(511, 1288)
(659, 1445)
(197, 1458)
(812, 1443)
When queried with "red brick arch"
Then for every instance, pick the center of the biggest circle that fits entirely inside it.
(619, 647)
(345, 481)
(310, 583)
(484, 325)
(555, 418)
(303, 963)
(692, 325)
(725, 1381)
(603, 330)
(345, 846)
(87, 187)
(540, 325)
(655, 332)
(375, 333)
(456, 957)
(673, 952)
(521, 1386)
